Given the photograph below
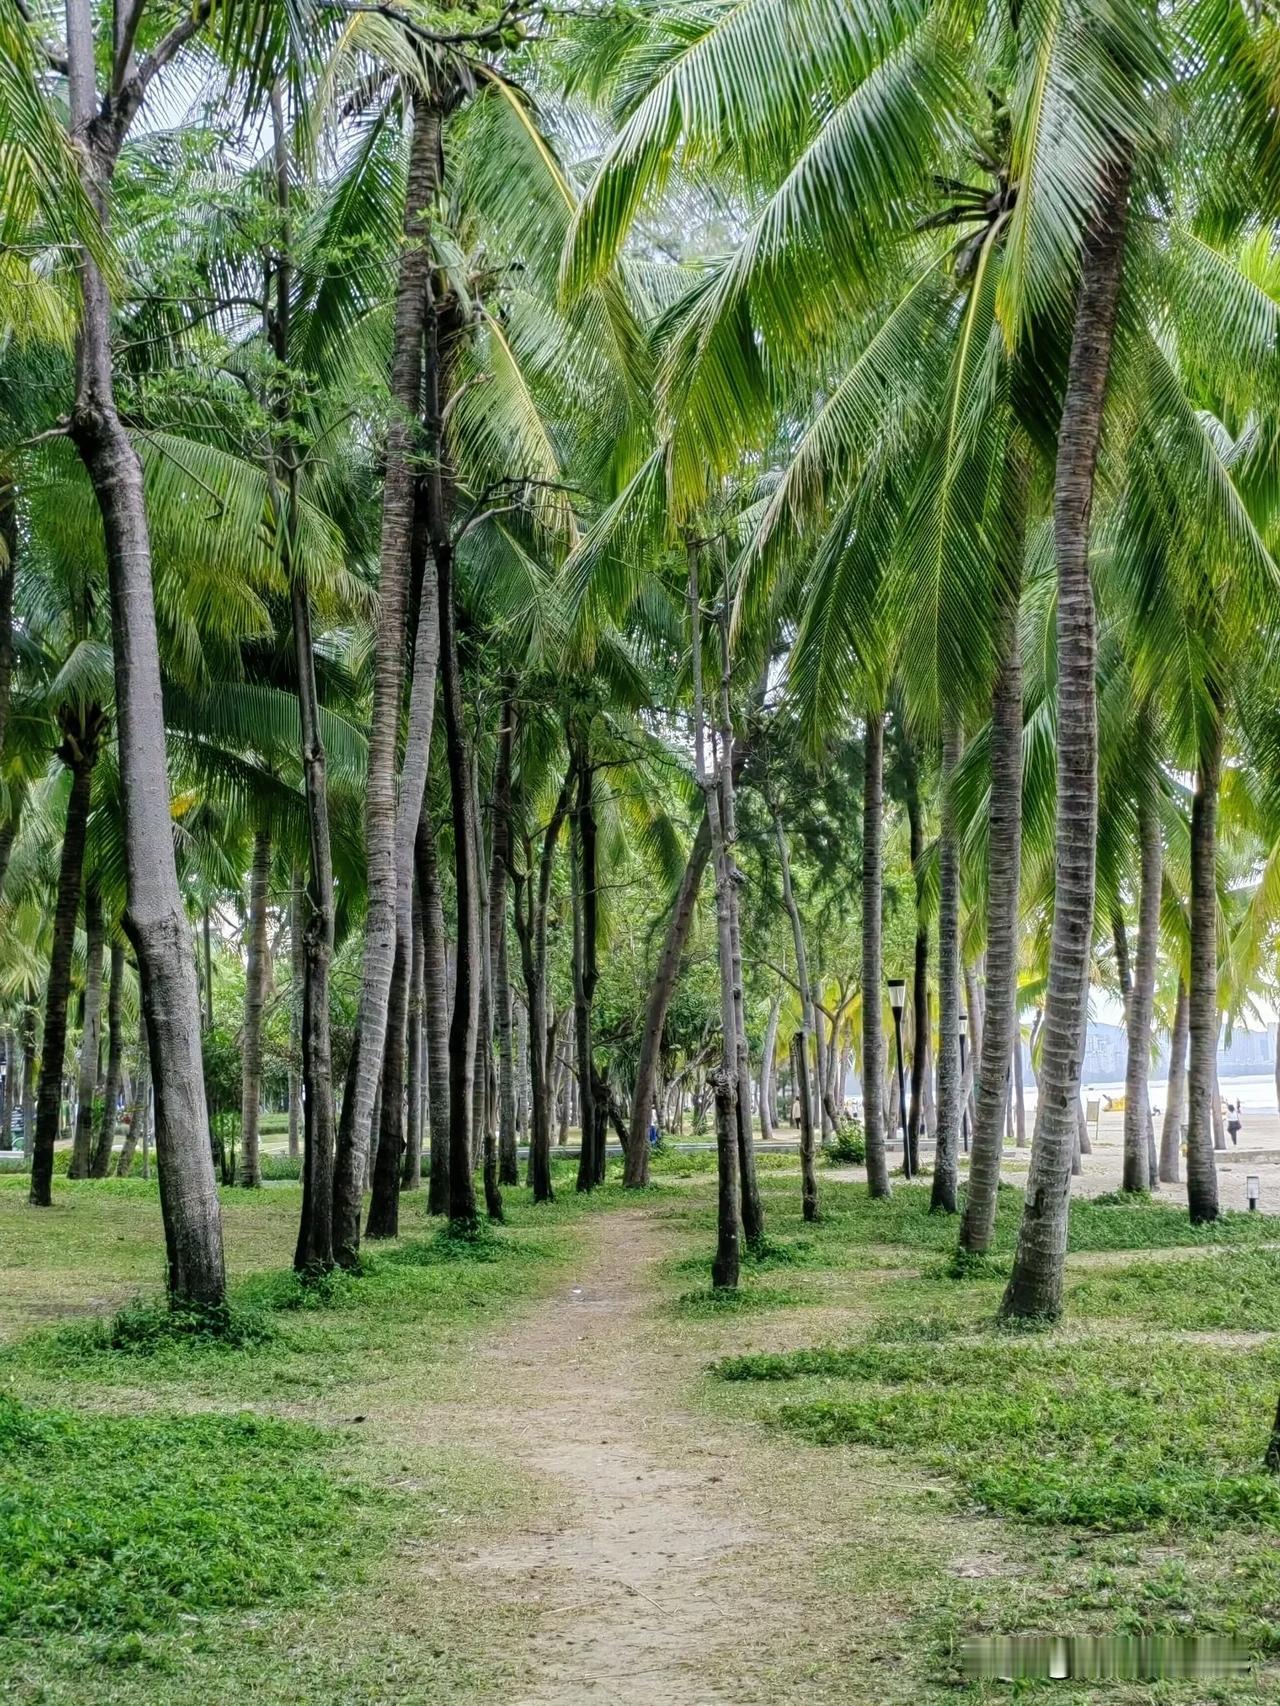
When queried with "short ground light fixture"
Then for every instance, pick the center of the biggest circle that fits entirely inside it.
(1253, 1190)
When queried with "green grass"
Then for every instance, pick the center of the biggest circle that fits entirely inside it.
(123, 1525)
(175, 1493)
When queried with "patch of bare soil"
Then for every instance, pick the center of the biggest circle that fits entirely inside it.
(627, 1582)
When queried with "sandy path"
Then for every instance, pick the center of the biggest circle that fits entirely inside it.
(626, 1581)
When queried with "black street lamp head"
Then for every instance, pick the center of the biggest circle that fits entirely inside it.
(897, 993)
(962, 1023)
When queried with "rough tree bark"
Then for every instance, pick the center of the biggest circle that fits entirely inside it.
(436, 1009)
(398, 502)
(768, 1067)
(411, 1176)
(101, 1164)
(1000, 1036)
(140, 1108)
(920, 965)
(529, 909)
(808, 1171)
(586, 971)
(726, 1264)
(155, 918)
(1202, 988)
(1137, 1112)
(95, 935)
(81, 736)
(872, 900)
(1035, 1286)
(942, 1196)
(1171, 1130)
(255, 999)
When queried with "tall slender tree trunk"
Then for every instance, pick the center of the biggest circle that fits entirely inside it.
(942, 1198)
(872, 901)
(808, 1171)
(752, 1205)
(1035, 1286)
(1137, 1112)
(384, 1201)
(768, 1067)
(296, 973)
(29, 1022)
(91, 1033)
(585, 969)
(155, 918)
(811, 1026)
(255, 999)
(1176, 1101)
(508, 1114)
(1019, 1103)
(666, 975)
(530, 910)
(395, 549)
(1202, 991)
(436, 1009)
(1000, 1035)
(462, 1027)
(140, 1108)
(411, 1177)
(48, 1111)
(920, 964)
(725, 1078)
(101, 1164)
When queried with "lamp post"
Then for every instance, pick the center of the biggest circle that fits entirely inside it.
(962, 1025)
(898, 1000)
(1253, 1190)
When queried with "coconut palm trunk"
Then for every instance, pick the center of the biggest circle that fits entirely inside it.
(79, 752)
(768, 1067)
(411, 1173)
(466, 991)
(296, 973)
(815, 1037)
(1202, 988)
(1000, 1037)
(951, 1087)
(95, 936)
(155, 919)
(101, 1163)
(752, 1204)
(394, 554)
(140, 1107)
(255, 1000)
(1175, 1105)
(1035, 1286)
(665, 976)
(384, 1201)
(436, 1013)
(726, 1264)
(920, 960)
(872, 1007)
(586, 971)
(530, 902)
(1137, 1113)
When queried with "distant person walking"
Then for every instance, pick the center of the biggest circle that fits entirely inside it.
(1234, 1122)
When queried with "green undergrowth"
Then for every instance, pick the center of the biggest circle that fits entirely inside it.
(721, 1300)
(179, 1488)
(1052, 1432)
(123, 1524)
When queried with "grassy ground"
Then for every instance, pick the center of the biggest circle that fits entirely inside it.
(180, 1518)
(1121, 1451)
(291, 1519)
